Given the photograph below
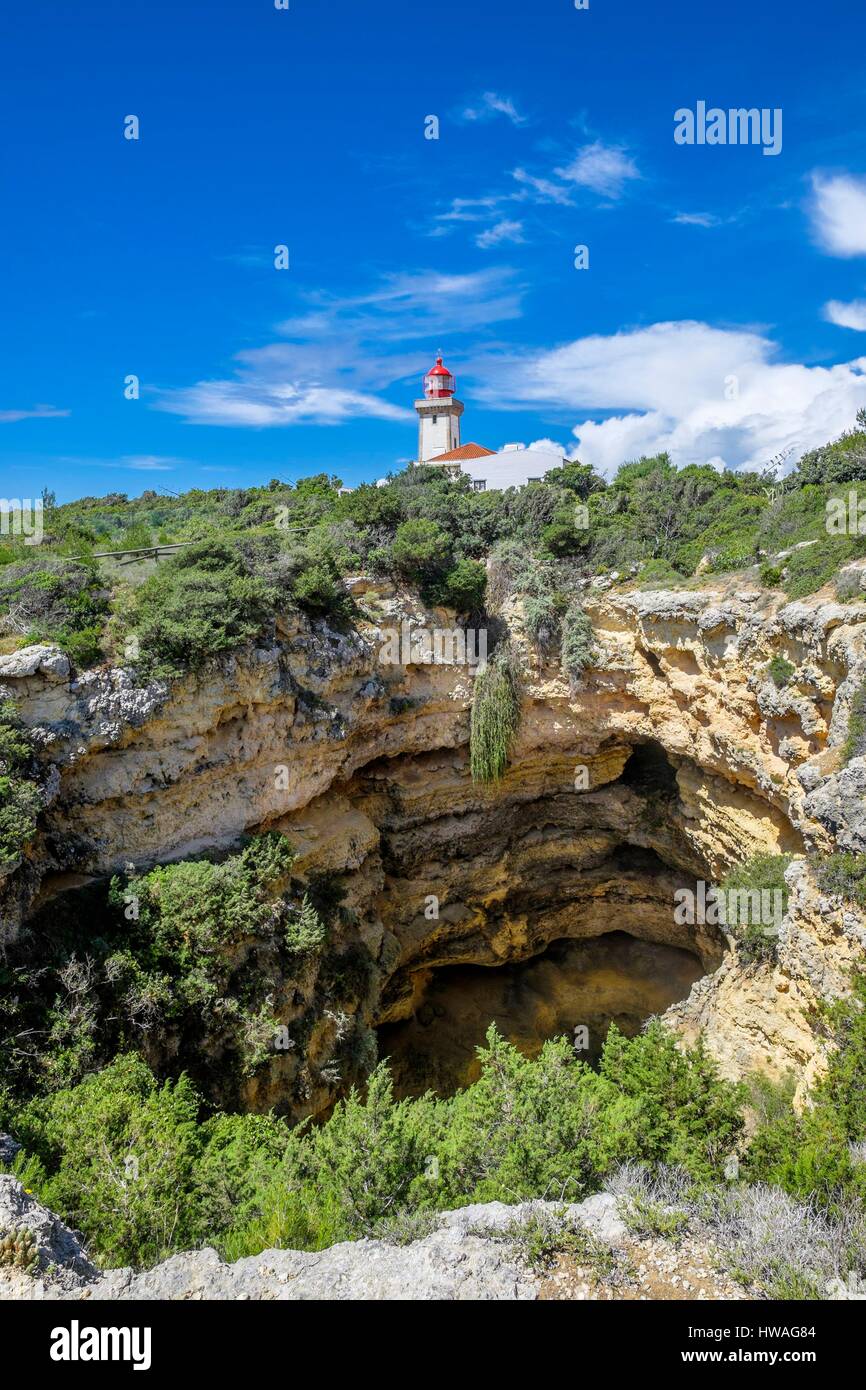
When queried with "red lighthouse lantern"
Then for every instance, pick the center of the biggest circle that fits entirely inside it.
(439, 384)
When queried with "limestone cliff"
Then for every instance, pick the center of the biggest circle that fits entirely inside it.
(694, 759)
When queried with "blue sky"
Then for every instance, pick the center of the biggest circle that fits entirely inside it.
(723, 314)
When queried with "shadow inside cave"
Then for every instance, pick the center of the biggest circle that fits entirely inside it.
(592, 983)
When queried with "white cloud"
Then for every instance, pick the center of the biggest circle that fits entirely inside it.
(501, 231)
(851, 315)
(342, 353)
(469, 209)
(838, 212)
(494, 105)
(697, 219)
(38, 412)
(148, 463)
(251, 403)
(606, 169)
(704, 394)
(545, 190)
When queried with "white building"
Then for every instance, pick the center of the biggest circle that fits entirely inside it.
(439, 444)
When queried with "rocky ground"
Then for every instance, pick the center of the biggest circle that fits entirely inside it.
(486, 1252)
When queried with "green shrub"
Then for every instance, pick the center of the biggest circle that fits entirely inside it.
(305, 932)
(844, 876)
(809, 569)
(843, 461)
(855, 737)
(770, 575)
(421, 551)
(199, 603)
(183, 962)
(494, 719)
(762, 878)
(780, 670)
(120, 1153)
(20, 801)
(56, 600)
(813, 1155)
(653, 572)
(463, 587)
(578, 641)
(318, 591)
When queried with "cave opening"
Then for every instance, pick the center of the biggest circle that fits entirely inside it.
(575, 988)
(650, 772)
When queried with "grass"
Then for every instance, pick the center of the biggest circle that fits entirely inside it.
(494, 720)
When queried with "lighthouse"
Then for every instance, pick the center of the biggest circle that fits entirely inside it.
(438, 415)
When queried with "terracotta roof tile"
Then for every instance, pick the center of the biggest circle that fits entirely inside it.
(466, 451)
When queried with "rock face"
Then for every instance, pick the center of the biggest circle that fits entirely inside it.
(674, 758)
(62, 1264)
(459, 1259)
(475, 1253)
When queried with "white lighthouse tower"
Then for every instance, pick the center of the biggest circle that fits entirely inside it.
(438, 415)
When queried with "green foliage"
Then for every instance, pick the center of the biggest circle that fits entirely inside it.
(686, 1116)
(463, 587)
(305, 932)
(818, 1153)
(770, 575)
(494, 719)
(120, 1152)
(579, 478)
(843, 461)
(421, 551)
(655, 572)
(131, 1165)
(780, 670)
(55, 600)
(318, 591)
(855, 738)
(20, 802)
(183, 961)
(548, 1127)
(578, 641)
(763, 878)
(201, 601)
(844, 876)
(809, 569)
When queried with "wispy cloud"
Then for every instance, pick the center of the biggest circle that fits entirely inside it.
(148, 463)
(334, 359)
(697, 219)
(543, 190)
(491, 105)
(837, 208)
(37, 412)
(850, 315)
(137, 463)
(606, 169)
(502, 231)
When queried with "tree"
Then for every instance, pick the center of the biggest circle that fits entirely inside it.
(421, 551)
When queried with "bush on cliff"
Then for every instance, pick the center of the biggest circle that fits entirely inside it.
(820, 1152)
(202, 601)
(494, 719)
(19, 796)
(141, 1171)
(181, 962)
